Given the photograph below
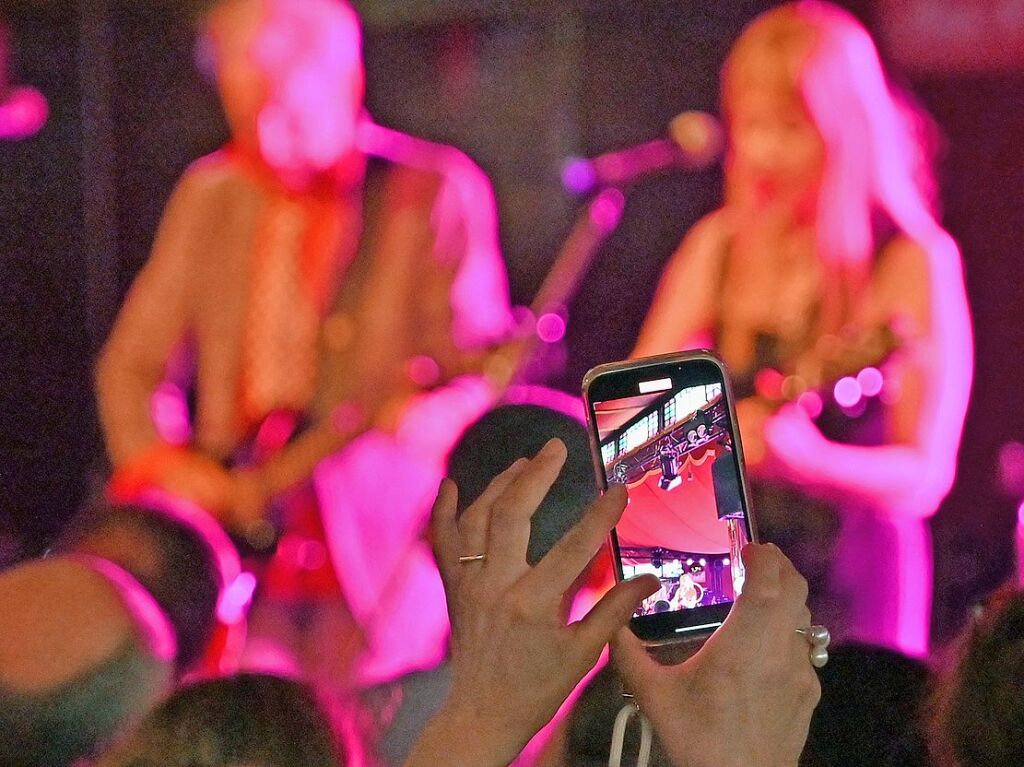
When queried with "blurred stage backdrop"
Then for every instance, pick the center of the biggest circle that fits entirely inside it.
(520, 86)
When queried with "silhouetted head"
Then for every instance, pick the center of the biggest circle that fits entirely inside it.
(978, 716)
(246, 720)
(507, 433)
(174, 559)
(84, 653)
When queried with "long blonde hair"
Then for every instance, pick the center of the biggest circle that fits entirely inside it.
(875, 149)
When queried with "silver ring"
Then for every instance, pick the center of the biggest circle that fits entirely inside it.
(472, 558)
(819, 638)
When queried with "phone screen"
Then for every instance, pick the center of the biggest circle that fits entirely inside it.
(664, 429)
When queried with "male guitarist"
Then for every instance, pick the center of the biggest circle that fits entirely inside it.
(325, 276)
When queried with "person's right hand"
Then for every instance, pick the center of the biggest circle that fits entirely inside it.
(747, 696)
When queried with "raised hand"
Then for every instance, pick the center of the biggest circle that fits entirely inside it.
(515, 659)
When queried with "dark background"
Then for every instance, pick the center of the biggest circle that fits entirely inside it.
(519, 90)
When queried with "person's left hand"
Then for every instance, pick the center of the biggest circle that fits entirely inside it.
(514, 657)
(795, 446)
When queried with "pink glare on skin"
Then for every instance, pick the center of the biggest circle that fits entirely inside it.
(169, 412)
(150, 619)
(1020, 544)
(875, 161)
(582, 604)
(310, 54)
(465, 220)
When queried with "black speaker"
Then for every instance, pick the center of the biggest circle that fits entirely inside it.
(727, 487)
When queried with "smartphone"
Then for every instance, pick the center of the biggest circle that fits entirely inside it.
(665, 428)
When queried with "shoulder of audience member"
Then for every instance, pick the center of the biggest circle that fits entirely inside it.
(60, 617)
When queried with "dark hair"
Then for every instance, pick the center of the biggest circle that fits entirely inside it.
(58, 726)
(172, 559)
(977, 715)
(510, 432)
(245, 719)
(871, 699)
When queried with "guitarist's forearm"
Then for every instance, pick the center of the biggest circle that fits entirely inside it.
(297, 462)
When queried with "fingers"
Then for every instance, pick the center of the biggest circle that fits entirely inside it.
(772, 581)
(473, 523)
(614, 611)
(567, 559)
(444, 531)
(508, 534)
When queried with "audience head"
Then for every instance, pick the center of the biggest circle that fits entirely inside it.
(870, 702)
(978, 717)
(246, 720)
(84, 650)
(510, 432)
(171, 555)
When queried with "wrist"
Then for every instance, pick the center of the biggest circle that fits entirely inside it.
(459, 738)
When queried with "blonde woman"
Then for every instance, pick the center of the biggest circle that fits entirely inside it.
(826, 274)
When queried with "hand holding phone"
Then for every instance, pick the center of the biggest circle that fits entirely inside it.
(747, 696)
(664, 427)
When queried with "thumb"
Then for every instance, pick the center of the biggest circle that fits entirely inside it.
(629, 656)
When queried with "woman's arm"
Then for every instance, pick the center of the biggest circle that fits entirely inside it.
(915, 469)
(684, 303)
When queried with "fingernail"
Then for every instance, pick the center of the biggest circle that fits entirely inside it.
(551, 447)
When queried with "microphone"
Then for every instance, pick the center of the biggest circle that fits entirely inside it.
(695, 141)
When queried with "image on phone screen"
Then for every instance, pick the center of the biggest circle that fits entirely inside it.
(670, 441)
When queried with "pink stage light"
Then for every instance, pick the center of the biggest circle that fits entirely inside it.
(234, 602)
(550, 328)
(606, 209)
(768, 383)
(811, 403)
(423, 371)
(847, 392)
(871, 381)
(23, 114)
